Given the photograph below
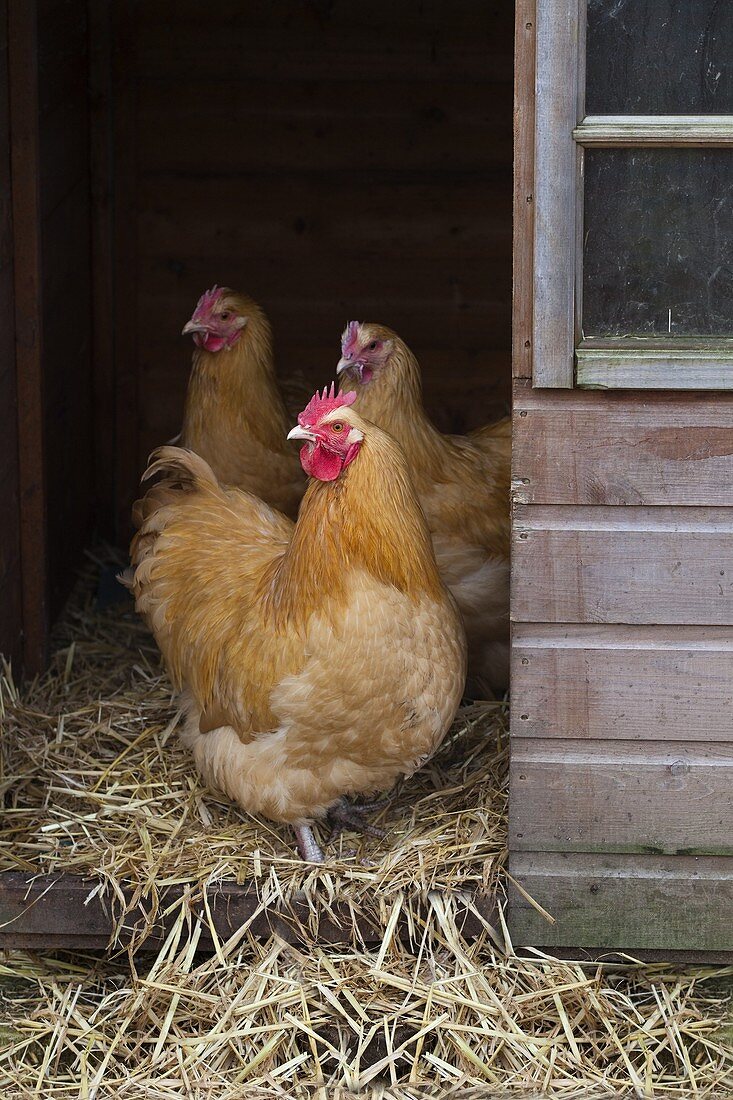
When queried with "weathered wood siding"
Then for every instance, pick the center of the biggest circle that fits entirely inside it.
(621, 682)
(673, 449)
(622, 638)
(335, 161)
(622, 723)
(639, 902)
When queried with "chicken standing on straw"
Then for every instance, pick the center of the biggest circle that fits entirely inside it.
(234, 416)
(319, 659)
(463, 486)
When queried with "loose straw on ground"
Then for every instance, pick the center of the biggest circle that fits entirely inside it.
(96, 784)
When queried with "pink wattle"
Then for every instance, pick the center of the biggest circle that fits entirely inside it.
(209, 341)
(320, 463)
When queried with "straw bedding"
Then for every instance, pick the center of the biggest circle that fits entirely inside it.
(95, 783)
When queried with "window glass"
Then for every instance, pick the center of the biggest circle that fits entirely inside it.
(659, 57)
(658, 242)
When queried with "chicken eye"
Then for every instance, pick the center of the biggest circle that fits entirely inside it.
(373, 345)
(337, 427)
(225, 315)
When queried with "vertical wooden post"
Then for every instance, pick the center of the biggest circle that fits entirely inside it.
(11, 610)
(525, 33)
(101, 115)
(24, 162)
(559, 45)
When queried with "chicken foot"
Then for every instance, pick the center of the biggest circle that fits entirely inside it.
(308, 845)
(341, 816)
(345, 815)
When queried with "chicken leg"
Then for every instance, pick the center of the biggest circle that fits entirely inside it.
(308, 845)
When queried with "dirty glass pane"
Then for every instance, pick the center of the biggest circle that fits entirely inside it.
(659, 57)
(658, 242)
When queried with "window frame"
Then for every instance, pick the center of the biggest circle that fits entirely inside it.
(563, 357)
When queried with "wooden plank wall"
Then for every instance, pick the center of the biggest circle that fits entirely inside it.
(622, 723)
(10, 573)
(66, 286)
(622, 642)
(336, 160)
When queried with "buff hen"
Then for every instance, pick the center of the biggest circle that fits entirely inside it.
(463, 486)
(317, 659)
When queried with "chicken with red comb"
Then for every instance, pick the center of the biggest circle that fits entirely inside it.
(234, 415)
(463, 486)
(317, 659)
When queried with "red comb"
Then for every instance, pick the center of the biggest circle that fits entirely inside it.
(350, 333)
(323, 403)
(209, 298)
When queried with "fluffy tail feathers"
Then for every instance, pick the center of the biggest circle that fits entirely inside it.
(181, 471)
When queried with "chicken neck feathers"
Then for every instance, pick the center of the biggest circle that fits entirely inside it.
(235, 417)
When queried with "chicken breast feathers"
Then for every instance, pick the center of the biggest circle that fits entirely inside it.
(311, 667)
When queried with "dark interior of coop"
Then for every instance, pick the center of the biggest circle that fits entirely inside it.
(333, 159)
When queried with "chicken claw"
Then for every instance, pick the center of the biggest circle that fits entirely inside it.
(308, 845)
(345, 815)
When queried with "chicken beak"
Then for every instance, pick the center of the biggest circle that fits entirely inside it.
(301, 433)
(355, 366)
(193, 326)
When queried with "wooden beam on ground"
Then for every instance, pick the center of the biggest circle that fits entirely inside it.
(63, 912)
(47, 913)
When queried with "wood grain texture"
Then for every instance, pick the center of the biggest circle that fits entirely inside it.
(525, 37)
(26, 213)
(11, 612)
(674, 903)
(634, 683)
(689, 364)
(56, 911)
(631, 448)
(622, 565)
(557, 173)
(665, 130)
(262, 150)
(671, 798)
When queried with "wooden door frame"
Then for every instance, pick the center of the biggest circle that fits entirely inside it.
(523, 201)
(26, 214)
